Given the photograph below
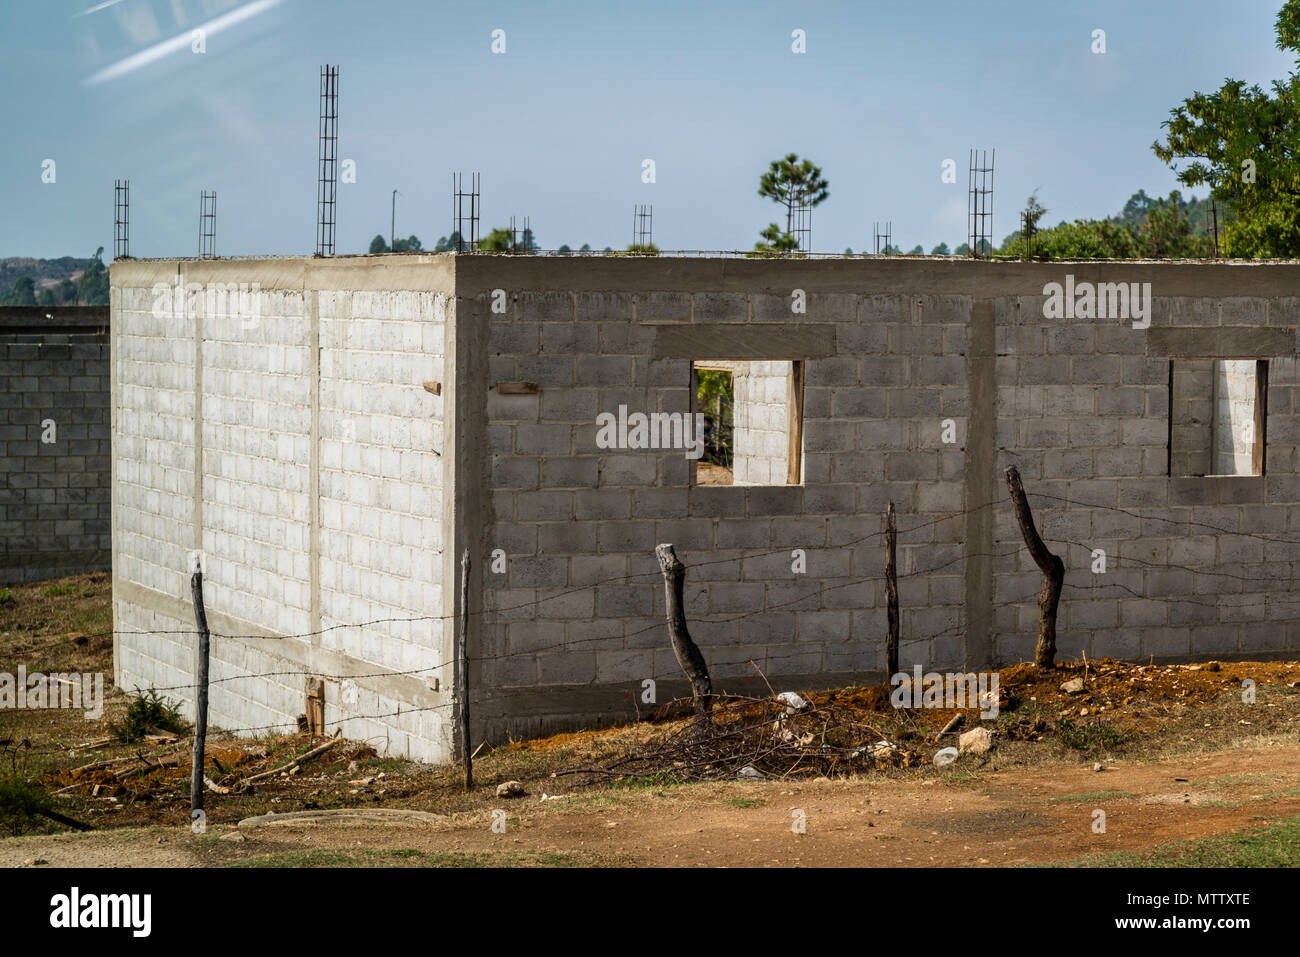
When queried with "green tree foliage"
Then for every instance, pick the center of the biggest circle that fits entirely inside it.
(497, 241)
(962, 250)
(791, 182)
(941, 250)
(1081, 239)
(1032, 213)
(715, 398)
(23, 293)
(67, 292)
(409, 245)
(92, 287)
(1147, 229)
(1243, 142)
(917, 250)
(774, 241)
(1167, 233)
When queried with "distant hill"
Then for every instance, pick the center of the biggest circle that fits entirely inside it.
(63, 281)
(43, 272)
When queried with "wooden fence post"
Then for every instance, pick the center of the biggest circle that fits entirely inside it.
(891, 593)
(1052, 567)
(200, 695)
(688, 654)
(462, 683)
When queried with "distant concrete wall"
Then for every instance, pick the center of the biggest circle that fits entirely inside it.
(54, 442)
(1234, 440)
(762, 421)
(760, 449)
(288, 436)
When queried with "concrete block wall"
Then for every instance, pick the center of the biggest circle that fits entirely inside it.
(1234, 417)
(762, 422)
(1196, 566)
(381, 494)
(1192, 418)
(315, 499)
(923, 381)
(581, 604)
(54, 496)
(256, 415)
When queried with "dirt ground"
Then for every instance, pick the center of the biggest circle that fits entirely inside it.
(997, 818)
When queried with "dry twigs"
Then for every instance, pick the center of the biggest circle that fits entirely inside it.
(760, 733)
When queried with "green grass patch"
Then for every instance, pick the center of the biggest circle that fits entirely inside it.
(1094, 796)
(410, 857)
(6, 596)
(648, 782)
(1090, 737)
(960, 778)
(1273, 845)
(745, 802)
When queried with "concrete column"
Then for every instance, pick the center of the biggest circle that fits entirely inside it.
(981, 483)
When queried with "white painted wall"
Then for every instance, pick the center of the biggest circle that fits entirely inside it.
(343, 582)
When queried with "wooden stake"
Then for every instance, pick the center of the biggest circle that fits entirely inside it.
(891, 593)
(688, 654)
(200, 696)
(463, 682)
(1052, 567)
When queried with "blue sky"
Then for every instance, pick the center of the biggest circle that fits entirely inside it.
(560, 124)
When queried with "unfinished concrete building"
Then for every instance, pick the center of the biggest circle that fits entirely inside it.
(331, 435)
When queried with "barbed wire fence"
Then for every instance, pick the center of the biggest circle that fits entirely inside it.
(1283, 582)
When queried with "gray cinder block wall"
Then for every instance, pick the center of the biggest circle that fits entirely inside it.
(923, 380)
(54, 442)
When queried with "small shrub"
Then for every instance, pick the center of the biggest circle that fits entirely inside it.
(20, 804)
(148, 712)
(1089, 737)
(57, 591)
(6, 596)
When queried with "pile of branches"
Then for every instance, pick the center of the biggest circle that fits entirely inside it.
(755, 738)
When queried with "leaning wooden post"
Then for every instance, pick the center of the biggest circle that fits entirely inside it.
(688, 654)
(200, 695)
(1052, 567)
(462, 657)
(891, 593)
